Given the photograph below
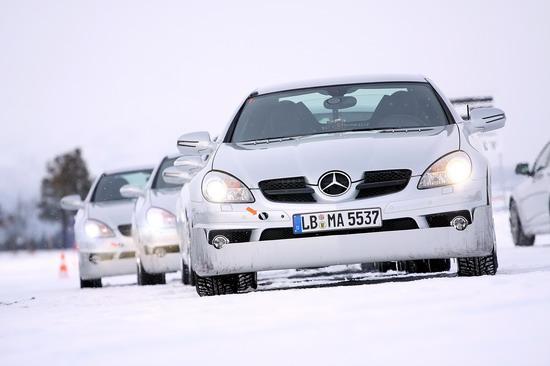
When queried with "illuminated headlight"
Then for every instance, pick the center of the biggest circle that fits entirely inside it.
(97, 229)
(454, 168)
(160, 219)
(221, 187)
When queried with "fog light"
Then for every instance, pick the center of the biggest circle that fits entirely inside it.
(459, 222)
(219, 241)
(159, 252)
(93, 258)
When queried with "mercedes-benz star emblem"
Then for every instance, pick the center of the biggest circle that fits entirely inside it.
(334, 183)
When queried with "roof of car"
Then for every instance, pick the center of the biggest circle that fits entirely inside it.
(130, 169)
(340, 81)
(172, 156)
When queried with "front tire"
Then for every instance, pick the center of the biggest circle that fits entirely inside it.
(226, 284)
(95, 283)
(518, 235)
(144, 278)
(478, 266)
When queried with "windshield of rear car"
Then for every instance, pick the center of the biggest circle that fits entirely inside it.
(159, 183)
(108, 187)
(338, 108)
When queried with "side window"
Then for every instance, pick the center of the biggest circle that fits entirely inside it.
(543, 159)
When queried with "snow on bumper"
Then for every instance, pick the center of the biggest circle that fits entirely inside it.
(159, 251)
(107, 257)
(446, 242)
(349, 248)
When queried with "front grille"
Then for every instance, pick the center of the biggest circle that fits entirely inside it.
(125, 230)
(234, 236)
(287, 190)
(405, 223)
(443, 219)
(380, 182)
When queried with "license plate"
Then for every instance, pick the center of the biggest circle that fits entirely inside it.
(337, 220)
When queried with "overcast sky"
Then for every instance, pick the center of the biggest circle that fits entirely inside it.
(123, 79)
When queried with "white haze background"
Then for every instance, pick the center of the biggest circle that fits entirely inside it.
(122, 79)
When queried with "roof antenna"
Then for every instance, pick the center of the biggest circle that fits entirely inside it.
(468, 111)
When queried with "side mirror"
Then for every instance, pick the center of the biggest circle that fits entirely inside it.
(190, 162)
(196, 143)
(72, 202)
(183, 170)
(487, 119)
(523, 169)
(130, 191)
(176, 175)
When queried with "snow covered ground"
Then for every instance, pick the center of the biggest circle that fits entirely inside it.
(334, 316)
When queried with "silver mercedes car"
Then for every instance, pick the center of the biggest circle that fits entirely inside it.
(103, 230)
(154, 226)
(354, 170)
(530, 201)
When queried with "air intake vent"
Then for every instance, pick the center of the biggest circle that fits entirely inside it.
(287, 190)
(234, 236)
(443, 219)
(381, 182)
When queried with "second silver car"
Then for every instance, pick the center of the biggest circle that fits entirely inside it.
(154, 226)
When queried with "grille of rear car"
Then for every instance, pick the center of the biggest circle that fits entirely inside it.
(126, 255)
(174, 248)
(287, 190)
(234, 236)
(380, 182)
(125, 230)
(405, 223)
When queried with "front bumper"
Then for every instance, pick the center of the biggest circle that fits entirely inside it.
(423, 242)
(106, 257)
(159, 251)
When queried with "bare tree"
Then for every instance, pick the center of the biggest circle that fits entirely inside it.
(65, 174)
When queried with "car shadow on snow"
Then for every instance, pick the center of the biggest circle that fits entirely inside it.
(345, 278)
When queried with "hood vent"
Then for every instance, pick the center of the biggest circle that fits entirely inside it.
(381, 182)
(289, 190)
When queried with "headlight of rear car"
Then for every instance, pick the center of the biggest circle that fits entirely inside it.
(454, 168)
(219, 187)
(160, 219)
(97, 229)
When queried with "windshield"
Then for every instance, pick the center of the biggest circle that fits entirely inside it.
(108, 187)
(338, 109)
(159, 183)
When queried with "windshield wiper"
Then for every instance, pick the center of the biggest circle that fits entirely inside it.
(392, 129)
(269, 140)
(381, 129)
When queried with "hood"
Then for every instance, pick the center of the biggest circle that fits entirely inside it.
(350, 152)
(165, 198)
(112, 213)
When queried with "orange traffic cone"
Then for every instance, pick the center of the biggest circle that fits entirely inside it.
(63, 272)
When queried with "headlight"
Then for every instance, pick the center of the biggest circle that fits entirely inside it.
(160, 219)
(454, 168)
(97, 229)
(221, 187)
